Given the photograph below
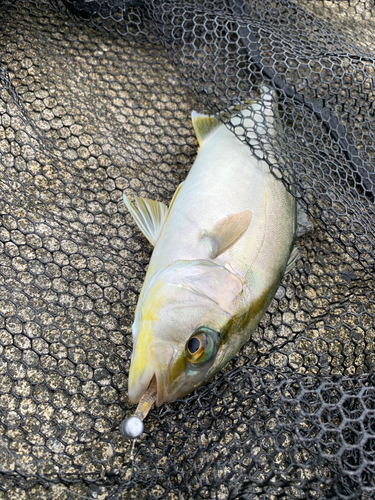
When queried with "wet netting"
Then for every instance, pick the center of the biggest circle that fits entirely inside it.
(95, 100)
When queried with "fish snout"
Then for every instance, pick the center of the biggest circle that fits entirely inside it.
(162, 354)
(156, 359)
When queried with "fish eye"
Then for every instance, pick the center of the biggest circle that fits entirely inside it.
(193, 345)
(201, 347)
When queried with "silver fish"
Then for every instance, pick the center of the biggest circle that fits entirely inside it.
(220, 251)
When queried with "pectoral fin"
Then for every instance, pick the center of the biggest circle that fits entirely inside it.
(226, 232)
(149, 216)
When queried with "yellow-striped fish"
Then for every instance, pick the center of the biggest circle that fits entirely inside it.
(220, 251)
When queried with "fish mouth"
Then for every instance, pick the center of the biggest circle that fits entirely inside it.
(147, 400)
(160, 357)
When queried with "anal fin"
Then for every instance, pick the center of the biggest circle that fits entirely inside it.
(205, 126)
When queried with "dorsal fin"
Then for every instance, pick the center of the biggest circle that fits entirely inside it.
(149, 216)
(205, 126)
(304, 223)
(227, 231)
(294, 256)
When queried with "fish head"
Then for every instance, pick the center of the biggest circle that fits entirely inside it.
(179, 325)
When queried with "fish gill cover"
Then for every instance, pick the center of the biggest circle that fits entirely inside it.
(95, 100)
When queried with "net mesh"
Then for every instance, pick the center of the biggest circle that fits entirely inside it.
(95, 100)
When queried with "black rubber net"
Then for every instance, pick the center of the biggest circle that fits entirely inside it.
(95, 100)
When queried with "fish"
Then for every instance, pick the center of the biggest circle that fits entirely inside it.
(220, 251)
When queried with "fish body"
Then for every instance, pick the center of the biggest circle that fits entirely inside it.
(220, 251)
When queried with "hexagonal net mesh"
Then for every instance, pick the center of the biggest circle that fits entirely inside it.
(95, 100)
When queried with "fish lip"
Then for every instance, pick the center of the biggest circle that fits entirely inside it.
(159, 388)
(160, 355)
(160, 392)
(137, 389)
